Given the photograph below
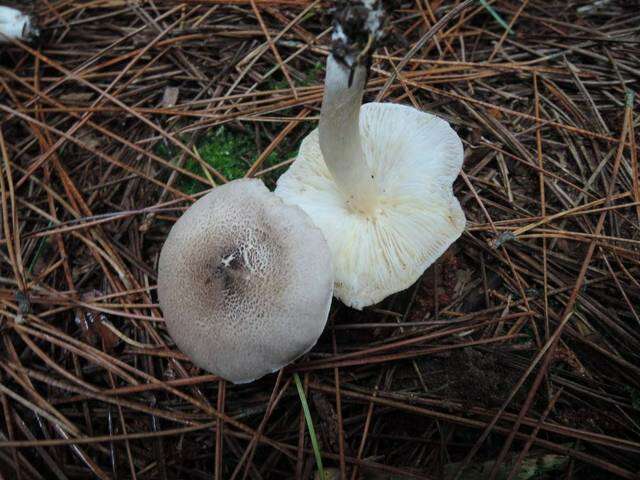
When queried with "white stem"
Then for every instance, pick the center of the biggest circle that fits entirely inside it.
(14, 24)
(340, 140)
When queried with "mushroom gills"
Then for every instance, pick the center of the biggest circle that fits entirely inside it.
(414, 158)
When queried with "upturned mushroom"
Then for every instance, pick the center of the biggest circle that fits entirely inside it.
(15, 24)
(377, 178)
(245, 282)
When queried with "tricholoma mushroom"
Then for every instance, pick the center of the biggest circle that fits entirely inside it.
(245, 282)
(245, 277)
(15, 24)
(377, 178)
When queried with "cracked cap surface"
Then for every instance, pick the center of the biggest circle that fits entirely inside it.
(245, 282)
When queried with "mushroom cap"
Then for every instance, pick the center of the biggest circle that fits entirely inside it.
(415, 158)
(245, 282)
(15, 24)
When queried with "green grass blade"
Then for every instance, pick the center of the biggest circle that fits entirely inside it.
(39, 249)
(312, 430)
(497, 16)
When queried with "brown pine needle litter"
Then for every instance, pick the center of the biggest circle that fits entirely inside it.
(517, 355)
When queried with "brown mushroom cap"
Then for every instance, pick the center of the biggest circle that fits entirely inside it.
(245, 282)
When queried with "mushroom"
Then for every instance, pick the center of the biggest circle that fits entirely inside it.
(15, 24)
(377, 178)
(245, 282)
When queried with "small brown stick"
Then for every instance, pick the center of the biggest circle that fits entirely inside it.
(532, 436)
(274, 49)
(439, 25)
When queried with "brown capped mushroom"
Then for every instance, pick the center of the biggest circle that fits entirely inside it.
(245, 282)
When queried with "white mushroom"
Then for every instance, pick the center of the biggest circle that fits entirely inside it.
(377, 179)
(15, 24)
(245, 282)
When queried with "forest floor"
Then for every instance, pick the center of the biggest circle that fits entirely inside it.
(516, 355)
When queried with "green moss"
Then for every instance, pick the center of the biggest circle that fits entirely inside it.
(277, 81)
(227, 152)
(230, 153)
(313, 74)
(163, 150)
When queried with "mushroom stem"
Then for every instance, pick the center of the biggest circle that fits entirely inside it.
(358, 24)
(340, 140)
